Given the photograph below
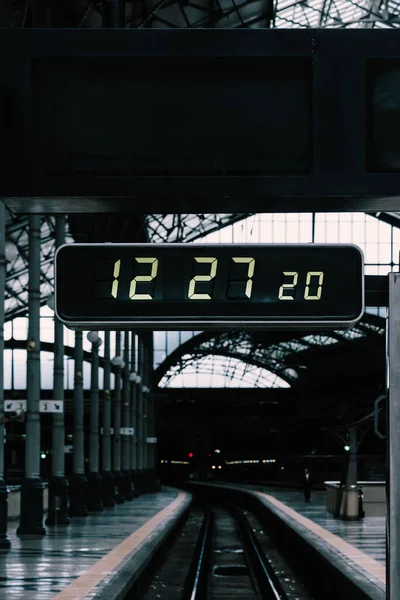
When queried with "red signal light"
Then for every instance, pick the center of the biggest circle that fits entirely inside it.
(190, 454)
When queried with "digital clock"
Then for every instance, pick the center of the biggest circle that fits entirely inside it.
(220, 286)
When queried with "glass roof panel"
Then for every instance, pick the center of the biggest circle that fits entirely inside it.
(186, 227)
(217, 371)
(321, 340)
(351, 334)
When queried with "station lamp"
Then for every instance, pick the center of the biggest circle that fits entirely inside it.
(94, 338)
(118, 361)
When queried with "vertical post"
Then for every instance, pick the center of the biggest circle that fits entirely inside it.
(5, 543)
(145, 400)
(119, 498)
(152, 448)
(133, 419)
(94, 478)
(113, 13)
(393, 440)
(58, 484)
(31, 519)
(151, 410)
(352, 466)
(126, 474)
(108, 478)
(78, 482)
(139, 421)
(146, 412)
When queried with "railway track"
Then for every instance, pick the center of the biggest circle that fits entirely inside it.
(221, 553)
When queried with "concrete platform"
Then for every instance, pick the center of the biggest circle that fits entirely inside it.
(368, 534)
(94, 556)
(355, 548)
(344, 558)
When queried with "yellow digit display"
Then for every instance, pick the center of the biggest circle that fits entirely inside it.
(213, 271)
(114, 289)
(284, 286)
(320, 275)
(196, 287)
(154, 268)
(250, 271)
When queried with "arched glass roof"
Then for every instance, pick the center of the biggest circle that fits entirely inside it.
(215, 371)
(274, 359)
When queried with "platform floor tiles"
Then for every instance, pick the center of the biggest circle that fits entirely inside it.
(37, 569)
(367, 535)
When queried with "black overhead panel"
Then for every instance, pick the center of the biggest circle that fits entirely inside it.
(204, 121)
(108, 228)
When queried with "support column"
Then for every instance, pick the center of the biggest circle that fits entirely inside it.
(5, 543)
(151, 419)
(117, 362)
(146, 406)
(58, 484)
(133, 417)
(31, 519)
(95, 481)
(352, 466)
(108, 477)
(139, 421)
(78, 481)
(126, 473)
(393, 441)
(151, 447)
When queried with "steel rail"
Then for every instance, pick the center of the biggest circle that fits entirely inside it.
(195, 587)
(266, 579)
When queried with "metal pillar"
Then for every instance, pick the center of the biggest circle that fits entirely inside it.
(31, 520)
(119, 498)
(126, 473)
(113, 13)
(78, 481)
(393, 437)
(5, 543)
(146, 409)
(151, 447)
(151, 419)
(95, 480)
(133, 419)
(139, 415)
(58, 484)
(352, 466)
(108, 477)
